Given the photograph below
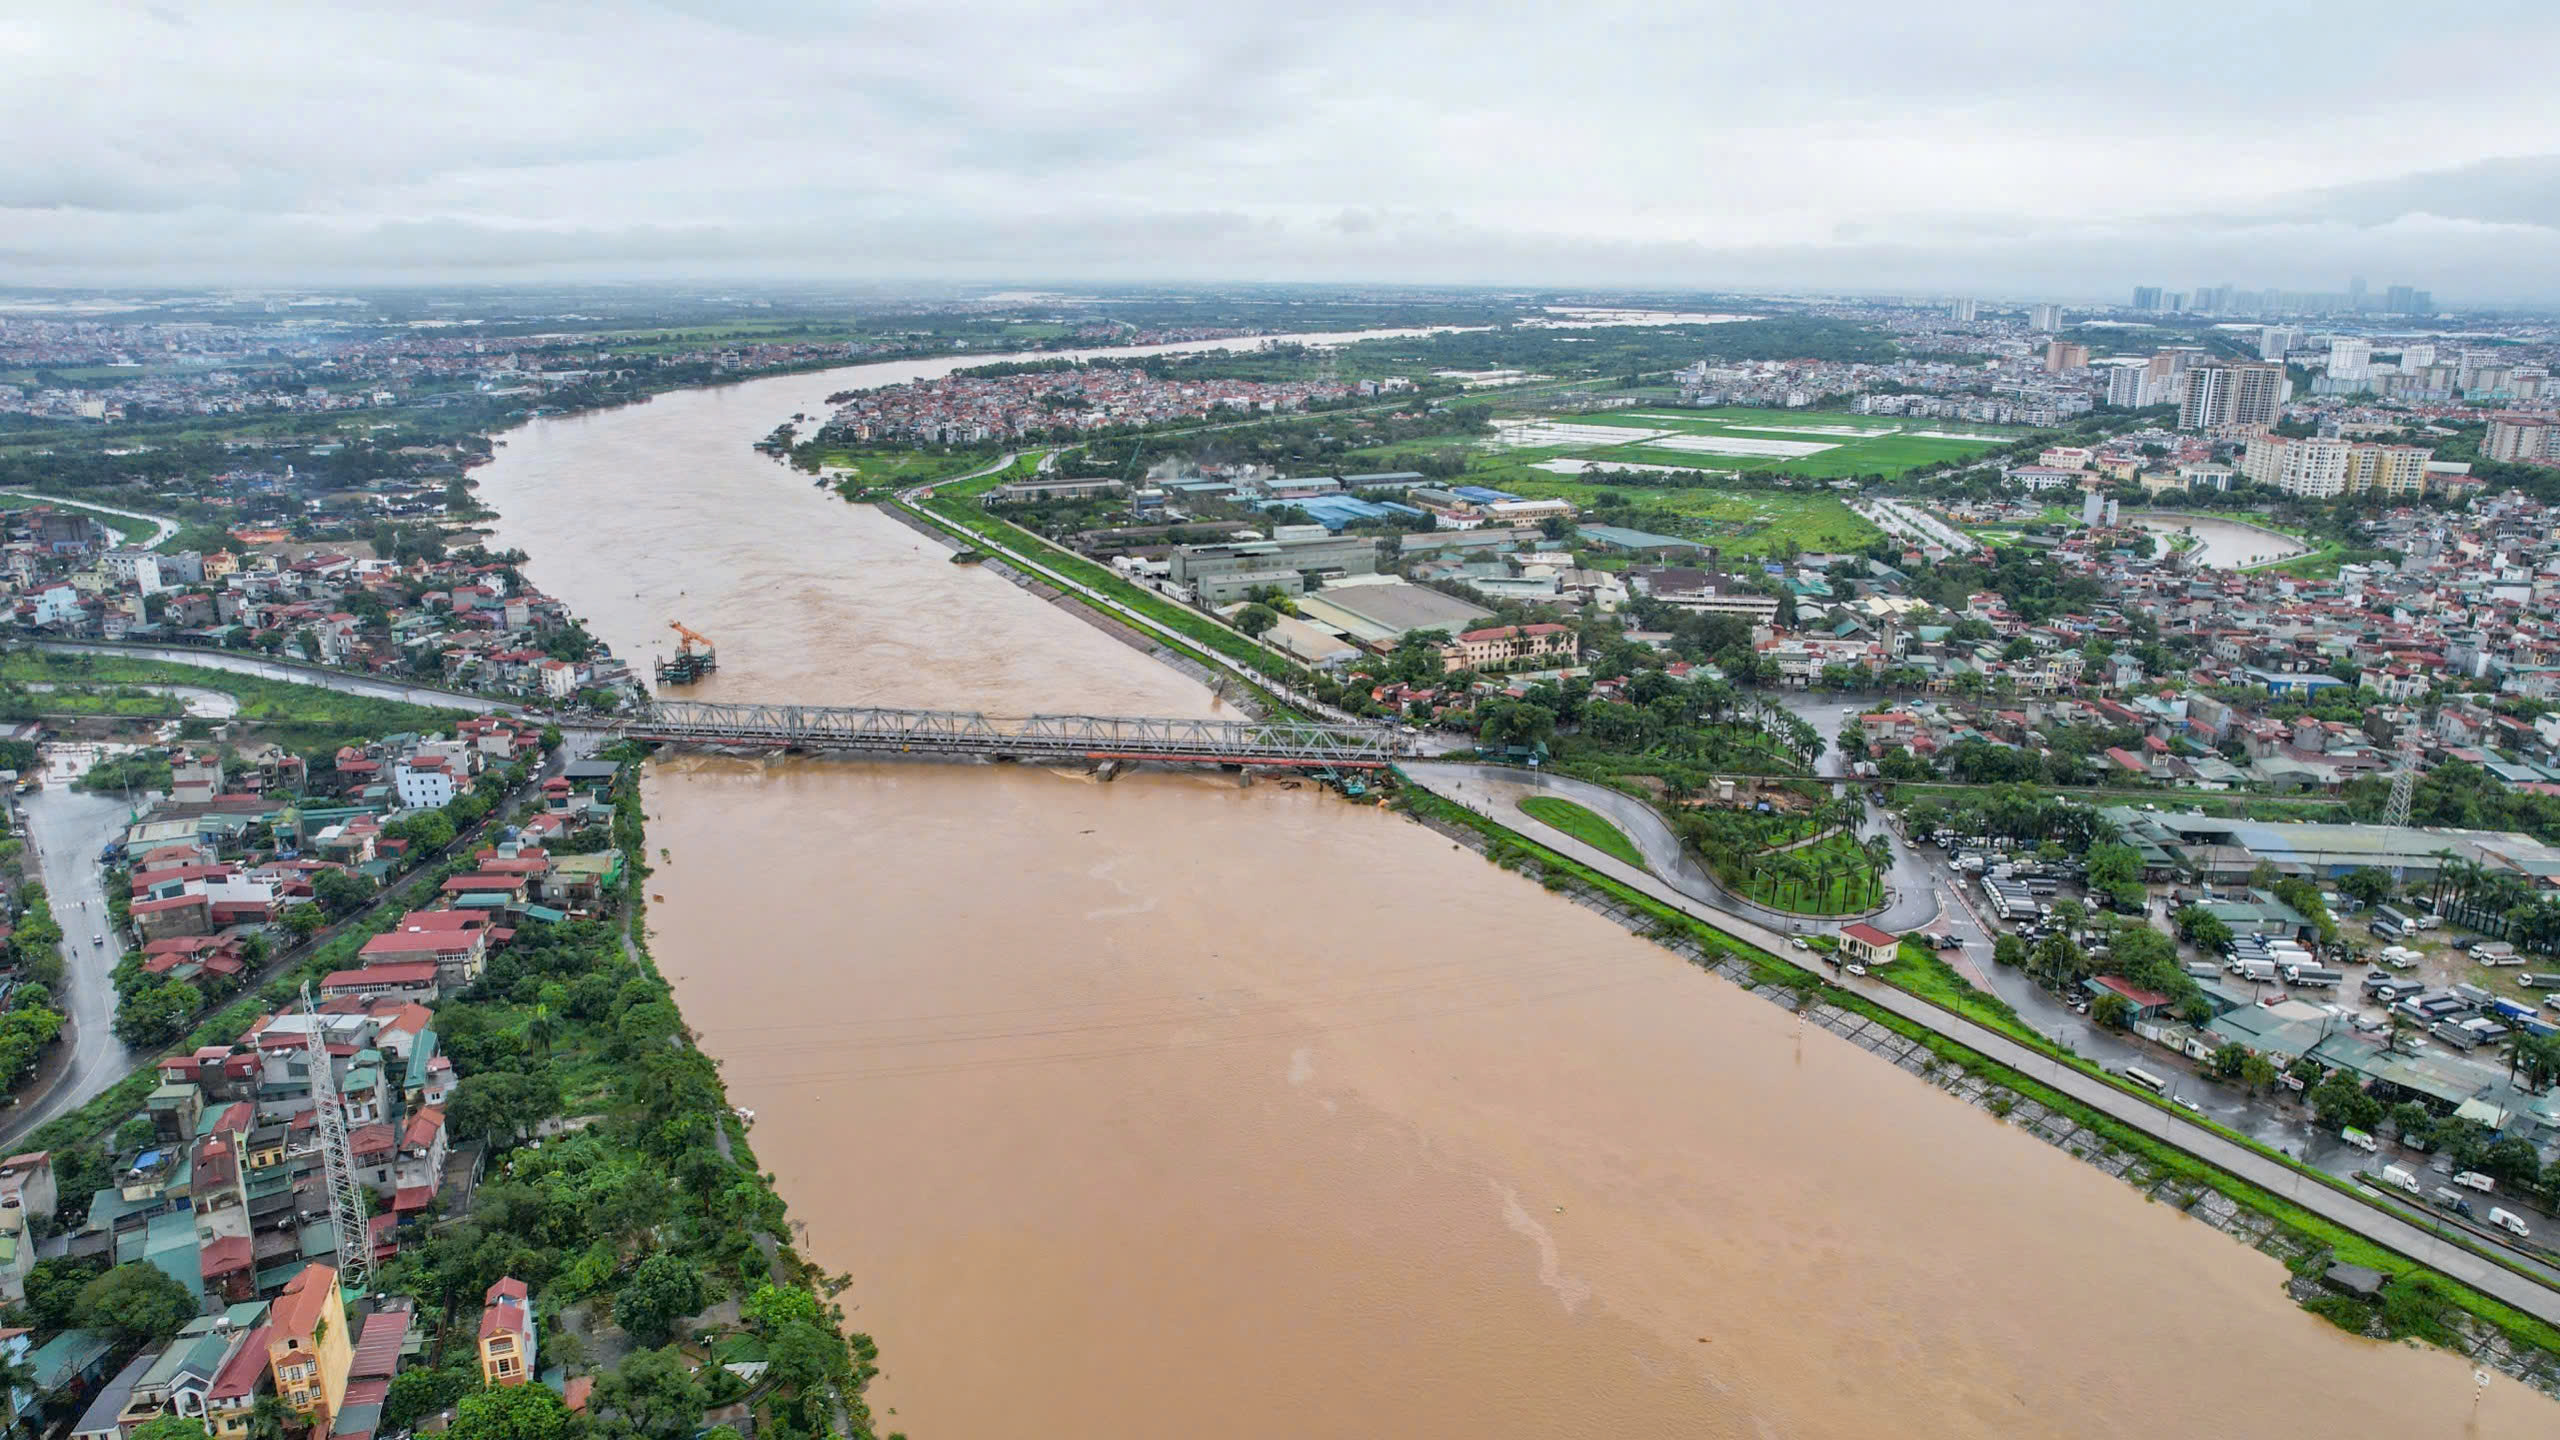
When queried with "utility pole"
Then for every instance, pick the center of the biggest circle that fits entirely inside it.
(337, 1162)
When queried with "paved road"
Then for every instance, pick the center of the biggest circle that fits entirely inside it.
(1908, 907)
(240, 662)
(68, 827)
(2045, 1013)
(908, 500)
(2538, 1298)
(162, 526)
(71, 827)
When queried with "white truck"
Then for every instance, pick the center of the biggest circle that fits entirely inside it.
(2506, 1220)
(2474, 1180)
(2402, 1176)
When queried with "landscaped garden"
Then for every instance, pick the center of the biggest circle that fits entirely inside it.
(1808, 862)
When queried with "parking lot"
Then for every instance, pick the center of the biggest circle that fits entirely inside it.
(2278, 1119)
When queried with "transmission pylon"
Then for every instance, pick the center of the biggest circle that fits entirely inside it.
(337, 1162)
(2404, 786)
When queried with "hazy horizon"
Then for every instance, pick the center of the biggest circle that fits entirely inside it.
(2001, 149)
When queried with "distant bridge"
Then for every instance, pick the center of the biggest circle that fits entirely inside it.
(968, 735)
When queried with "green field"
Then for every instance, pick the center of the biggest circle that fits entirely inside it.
(301, 717)
(897, 468)
(1585, 825)
(1881, 445)
(1738, 522)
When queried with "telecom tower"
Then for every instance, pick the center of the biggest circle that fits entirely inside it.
(337, 1162)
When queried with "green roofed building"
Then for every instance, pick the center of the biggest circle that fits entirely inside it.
(1618, 539)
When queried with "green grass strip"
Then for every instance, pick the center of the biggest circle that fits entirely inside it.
(1585, 825)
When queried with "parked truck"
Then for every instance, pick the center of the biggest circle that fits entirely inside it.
(2403, 1177)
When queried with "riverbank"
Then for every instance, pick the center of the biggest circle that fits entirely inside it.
(1490, 1138)
(2305, 1230)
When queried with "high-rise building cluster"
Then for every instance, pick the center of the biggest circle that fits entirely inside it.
(2321, 467)
(2232, 300)
(2514, 438)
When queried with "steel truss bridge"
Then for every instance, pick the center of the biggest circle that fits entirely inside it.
(967, 735)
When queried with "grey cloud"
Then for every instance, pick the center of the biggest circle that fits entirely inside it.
(2060, 147)
(2515, 190)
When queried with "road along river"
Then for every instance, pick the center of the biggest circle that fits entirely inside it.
(1170, 1107)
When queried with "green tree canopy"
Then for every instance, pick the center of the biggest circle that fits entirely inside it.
(664, 1290)
(514, 1412)
(137, 1302)
(171, 1427)
(653, 1393)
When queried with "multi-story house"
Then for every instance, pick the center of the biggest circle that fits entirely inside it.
(308, 1347)
(507, 1343)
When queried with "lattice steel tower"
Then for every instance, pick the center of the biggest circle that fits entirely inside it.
(337, 1162)
(2404, 786)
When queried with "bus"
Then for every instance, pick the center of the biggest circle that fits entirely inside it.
(2146, 1080)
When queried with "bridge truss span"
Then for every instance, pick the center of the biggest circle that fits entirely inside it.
(967, 734)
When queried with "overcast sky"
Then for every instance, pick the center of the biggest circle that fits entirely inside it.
(2043, 147)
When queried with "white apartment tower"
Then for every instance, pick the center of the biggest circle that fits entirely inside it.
(2350, 359)
(2128, 386)
(2233, 395)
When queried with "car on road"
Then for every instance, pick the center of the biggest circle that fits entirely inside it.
(1857, 969)
(1798, 942)
(99, 939)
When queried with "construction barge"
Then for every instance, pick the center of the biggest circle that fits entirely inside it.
(694, 658)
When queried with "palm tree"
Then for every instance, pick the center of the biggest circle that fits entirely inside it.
(2459, 876)
(18, 1378)
(541, 1028)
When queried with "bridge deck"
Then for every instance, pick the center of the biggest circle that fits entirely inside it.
(961, 734)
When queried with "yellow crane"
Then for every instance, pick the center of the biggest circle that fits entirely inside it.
(690, 664)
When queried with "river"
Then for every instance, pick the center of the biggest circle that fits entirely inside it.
(1172, 1107)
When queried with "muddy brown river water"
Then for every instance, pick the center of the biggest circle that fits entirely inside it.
(1173, 1108)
